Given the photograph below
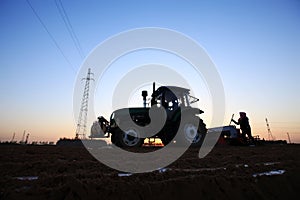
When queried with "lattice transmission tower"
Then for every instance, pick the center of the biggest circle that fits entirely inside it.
(82, 118)
(270, 136)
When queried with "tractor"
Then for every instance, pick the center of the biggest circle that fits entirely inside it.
(180, 117)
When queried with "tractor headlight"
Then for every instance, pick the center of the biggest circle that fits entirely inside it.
(112, 116)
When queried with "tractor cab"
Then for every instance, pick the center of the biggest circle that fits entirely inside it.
(172, 97)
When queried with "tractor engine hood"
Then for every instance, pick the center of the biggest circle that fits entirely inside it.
(139, 115)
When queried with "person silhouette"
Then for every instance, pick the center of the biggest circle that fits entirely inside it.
(243, 121)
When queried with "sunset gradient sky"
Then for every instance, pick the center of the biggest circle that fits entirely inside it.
(255, 46)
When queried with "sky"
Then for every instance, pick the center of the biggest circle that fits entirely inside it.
(255, 46)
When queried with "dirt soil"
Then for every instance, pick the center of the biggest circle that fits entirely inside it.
(53, 172)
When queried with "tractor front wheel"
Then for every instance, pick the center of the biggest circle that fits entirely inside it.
(128, 138)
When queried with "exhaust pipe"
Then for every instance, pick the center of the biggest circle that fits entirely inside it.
(144, 94)
(153, 102)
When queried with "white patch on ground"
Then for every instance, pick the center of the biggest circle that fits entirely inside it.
(27, 178)
(270, 173)
(162, 170)
(124, 174)
(271, 163)
(200, 169)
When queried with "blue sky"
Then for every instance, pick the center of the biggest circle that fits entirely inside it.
(254, 44)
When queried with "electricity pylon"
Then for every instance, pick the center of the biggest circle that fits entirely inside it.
(82, 118)
(270, 136)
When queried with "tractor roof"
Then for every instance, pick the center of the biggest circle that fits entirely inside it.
(177, 90)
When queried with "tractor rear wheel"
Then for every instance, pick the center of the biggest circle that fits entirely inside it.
(191, 133)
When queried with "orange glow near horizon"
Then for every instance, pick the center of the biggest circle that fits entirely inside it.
(55, 133)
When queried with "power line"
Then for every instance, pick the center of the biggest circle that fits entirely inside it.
(81, 52)
(69, 26)
(50, 35)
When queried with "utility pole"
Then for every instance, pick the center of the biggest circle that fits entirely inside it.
(23, 137)
(13, 137)
(270, 136)
(82, 118)
(27, 136)
(289, 137)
